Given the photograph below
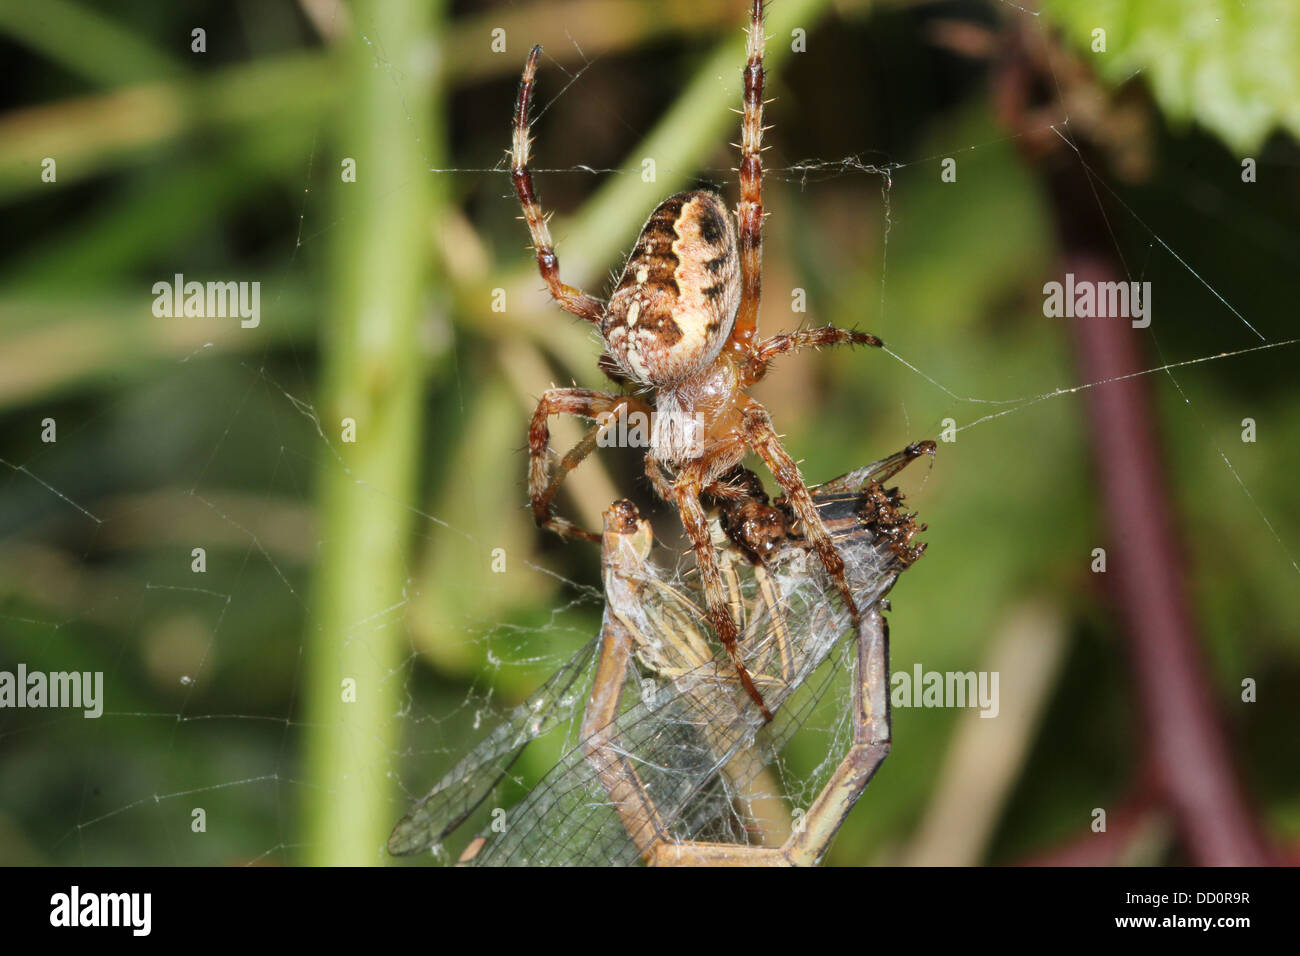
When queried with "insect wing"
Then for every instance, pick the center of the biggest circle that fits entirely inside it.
(689, 745)
(465, 786)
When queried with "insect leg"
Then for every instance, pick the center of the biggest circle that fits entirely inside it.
(617, 775)
(871, 740)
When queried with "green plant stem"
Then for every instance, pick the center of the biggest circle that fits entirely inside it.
(373, 375)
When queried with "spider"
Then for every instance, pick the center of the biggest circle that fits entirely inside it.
(681, 327)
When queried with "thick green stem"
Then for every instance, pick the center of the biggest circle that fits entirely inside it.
(373, 376)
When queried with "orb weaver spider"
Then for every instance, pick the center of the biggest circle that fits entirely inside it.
(682, 327)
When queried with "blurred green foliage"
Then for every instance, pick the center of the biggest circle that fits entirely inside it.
(1232, 67)
(181, 433)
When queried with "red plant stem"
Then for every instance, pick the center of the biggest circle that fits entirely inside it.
(1125, 825)
(1146, 570)
(1188, 758)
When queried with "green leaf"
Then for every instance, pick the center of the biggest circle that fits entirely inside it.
(1232, 66)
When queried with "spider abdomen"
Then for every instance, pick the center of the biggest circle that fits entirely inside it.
(676, 301)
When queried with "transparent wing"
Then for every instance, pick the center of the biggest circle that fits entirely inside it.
(678, 740)
(466, 785)
(687, 743)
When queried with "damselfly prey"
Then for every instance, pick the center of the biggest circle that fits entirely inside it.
(671, 745)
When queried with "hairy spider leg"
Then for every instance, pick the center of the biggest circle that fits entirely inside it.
(568, 298)
(749, 212)
(762, 437)
(542, 486)
(686, 495)
(762, 353)
(749, 216)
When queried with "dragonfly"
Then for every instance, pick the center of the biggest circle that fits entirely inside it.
(670, 743)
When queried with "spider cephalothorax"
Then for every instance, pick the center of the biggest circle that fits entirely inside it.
(682, 325)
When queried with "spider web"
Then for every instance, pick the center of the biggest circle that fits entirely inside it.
(202, 712)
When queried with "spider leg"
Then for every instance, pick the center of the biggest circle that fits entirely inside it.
(738, 484)
(768, 349)
(749, 212)
(542, 487)
(686, 495)
(658, 480)
(763, 439)
(719, 489)
(568, 298)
